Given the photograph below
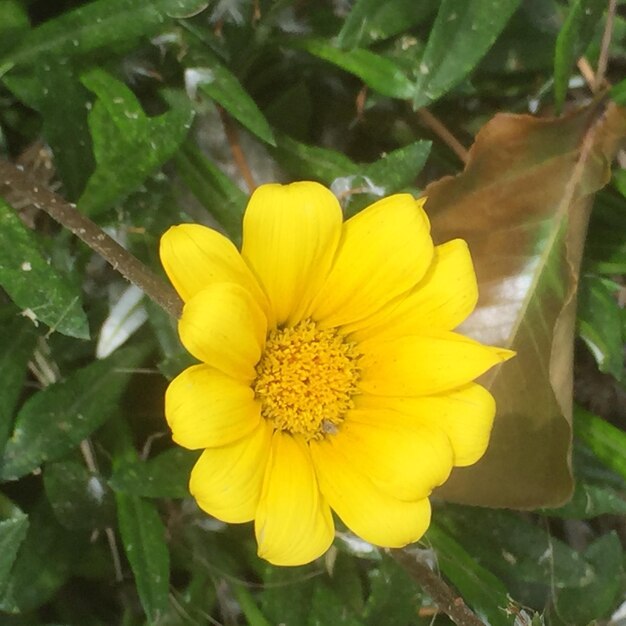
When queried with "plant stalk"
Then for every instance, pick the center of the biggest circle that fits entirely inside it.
(26, 188)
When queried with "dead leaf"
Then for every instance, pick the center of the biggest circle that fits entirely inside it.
(523, 205)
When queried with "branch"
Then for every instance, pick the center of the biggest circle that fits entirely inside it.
(446, 599)
(21, 184)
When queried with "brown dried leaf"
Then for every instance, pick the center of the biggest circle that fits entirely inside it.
(523, 204)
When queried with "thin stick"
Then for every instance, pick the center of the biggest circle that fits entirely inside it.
(584, 67)
(604, 49)
(429, 120)
(20, 183)
(235, 147)
(448, 601)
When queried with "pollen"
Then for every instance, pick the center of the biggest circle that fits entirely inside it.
(306, 379)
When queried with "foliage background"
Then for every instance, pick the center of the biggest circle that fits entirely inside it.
(150, 113)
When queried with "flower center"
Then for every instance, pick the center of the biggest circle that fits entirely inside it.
(306, 379)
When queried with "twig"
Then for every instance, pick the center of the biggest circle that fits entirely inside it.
(604, 49)
(584, 67)
(21, 184)
(448, 601)
(429, 120)
(235, 147)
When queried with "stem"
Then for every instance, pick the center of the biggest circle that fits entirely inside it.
(235, 148)
(20, 183)
(437, 126)
(606, 41)
(446, 599)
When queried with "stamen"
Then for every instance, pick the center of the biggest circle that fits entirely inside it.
(306, 379)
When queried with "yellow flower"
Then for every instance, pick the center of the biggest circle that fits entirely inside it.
(329, 375)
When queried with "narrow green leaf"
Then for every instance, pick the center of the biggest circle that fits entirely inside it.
(79, 498)
(393, 596)
(600, 324)
(42, 565)
(327, 608)
(97, 25)
(52, 88)
(33, 284)
(128, 145)
(12, 533)
(311, 162)
(462, 33)
(605, 251)
(596, 595)
(372, 20)
(143, 537)
(479, 587)
(399, 168)
(380, 73)
(513, 548)
(590, 501)
(606, 441)
(13, 23)
(217, 193)
(164, 476)
(17, 341)
(572, 41)
(287, 595)
(220, 84)
(55, 420)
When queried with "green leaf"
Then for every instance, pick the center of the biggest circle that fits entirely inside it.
(33, 284)
(79, 498)
(372, 20)
(590, 501)
(13, 23)
(287, 595)
(513, 548)
(618, 93)
(399, 168)
(42, 564)
(54, 421)
(17, 341)
(98, 25)
(572, 41)
(596, 596)
(143, 537)
(600, 324)
(605, 251)
(217, 193)
(52, 88)
(311, 162)
(479, 587)
(393, 596)
(12, 533)
(327, 608)
(128, 145)
(606, 441)
(462, 33)
(164, 476)
(380, 73)
(220, 84)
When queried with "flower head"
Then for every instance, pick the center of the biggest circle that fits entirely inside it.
(330, 377)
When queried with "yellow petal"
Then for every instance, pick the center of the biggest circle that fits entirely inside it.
(290, 234)
(224, 327)
(406, 461)
(293, 522)
(195, 257)
(226, 481)
(205, 408)
(465, 415)
(366, 510)
(424, 365)
(441, 300)
(384, 251)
